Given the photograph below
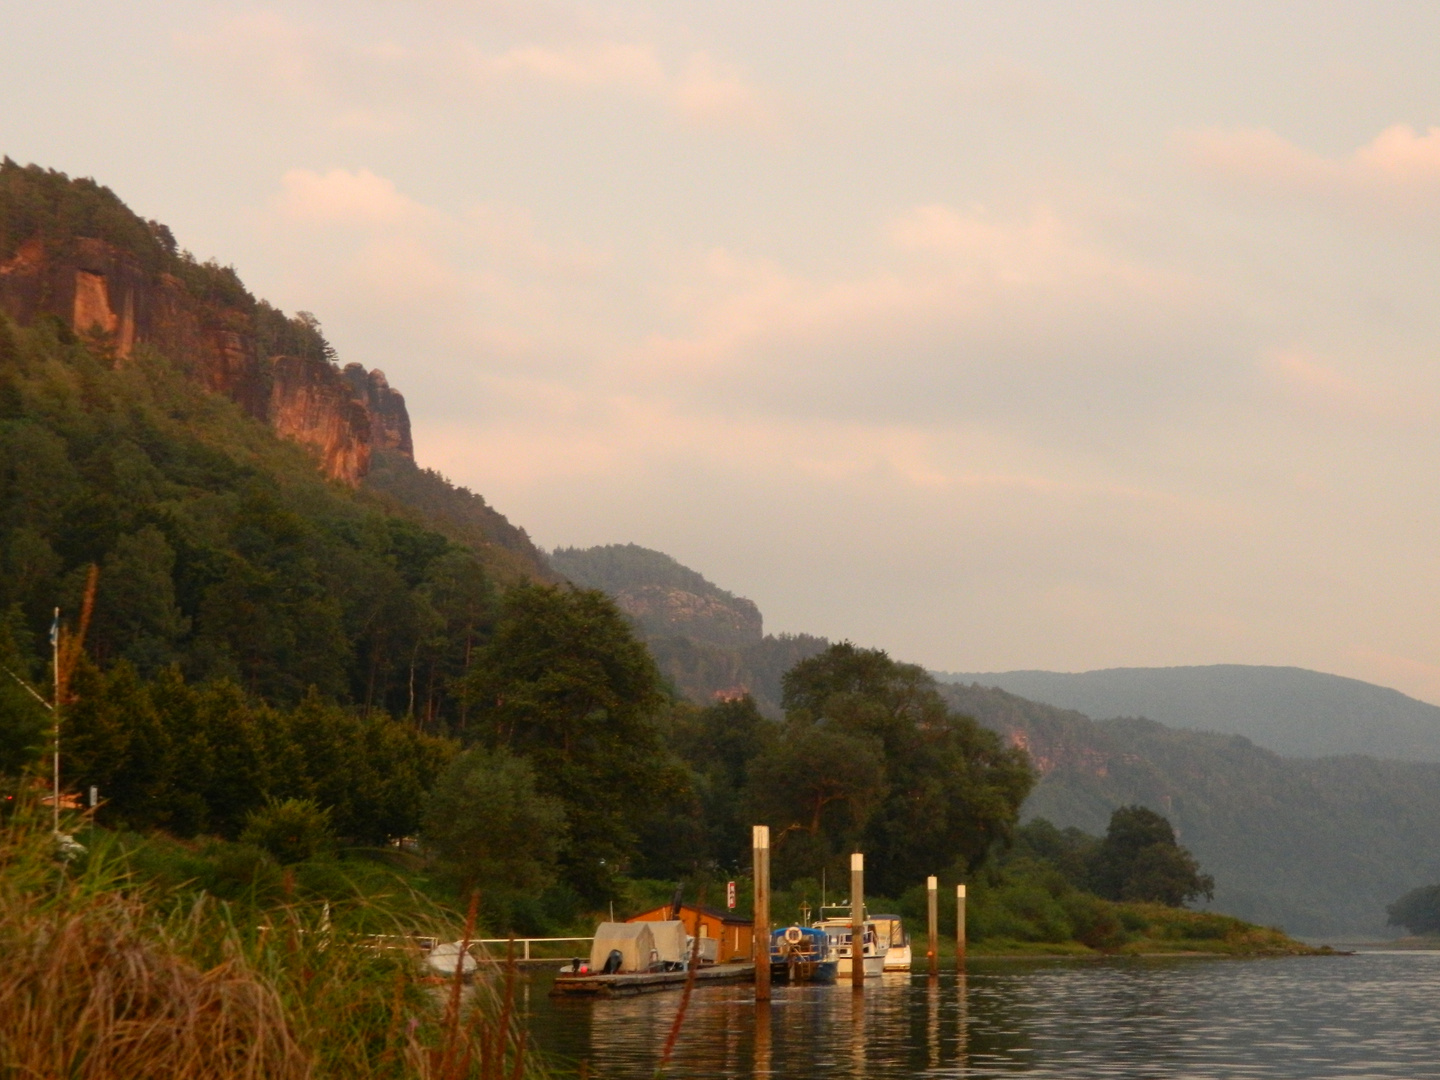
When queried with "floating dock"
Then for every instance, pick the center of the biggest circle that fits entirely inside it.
(625, 985)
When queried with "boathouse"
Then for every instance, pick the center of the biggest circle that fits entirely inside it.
(732, 935)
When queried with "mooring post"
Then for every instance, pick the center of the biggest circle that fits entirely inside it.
(960, 929)
(932, 909)
(762, 913)
(857, 921)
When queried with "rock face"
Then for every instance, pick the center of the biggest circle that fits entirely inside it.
(310, 405)
(723, 620)
(389, 419)
(104, 294)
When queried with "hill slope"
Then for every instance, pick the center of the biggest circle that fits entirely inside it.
(1318, 846)
(1286, 709)
(708, 642)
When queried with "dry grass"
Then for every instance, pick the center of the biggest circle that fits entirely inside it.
(100, 979)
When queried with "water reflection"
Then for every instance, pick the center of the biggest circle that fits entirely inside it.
(1370, 1016)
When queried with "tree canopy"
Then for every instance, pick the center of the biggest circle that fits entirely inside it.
(870, 759)
(1139, 859)
(1417, 911)
(564, 683)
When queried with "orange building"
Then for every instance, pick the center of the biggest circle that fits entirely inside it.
(733, 935)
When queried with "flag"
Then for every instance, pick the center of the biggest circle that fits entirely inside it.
(55, 629)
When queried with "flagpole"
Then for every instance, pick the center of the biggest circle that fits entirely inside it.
(55, 709)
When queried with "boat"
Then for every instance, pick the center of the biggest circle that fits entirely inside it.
(892, 934)
(802, 954)
(838, 929)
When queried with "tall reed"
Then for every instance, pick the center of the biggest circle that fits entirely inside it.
(104, 978)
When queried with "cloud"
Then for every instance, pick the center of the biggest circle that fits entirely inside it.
(1398, 170)
(343, 197)
(698, 89)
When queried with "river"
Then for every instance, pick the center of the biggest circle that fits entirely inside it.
(1371, 1016)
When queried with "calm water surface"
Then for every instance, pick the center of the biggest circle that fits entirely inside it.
(1373, 1016)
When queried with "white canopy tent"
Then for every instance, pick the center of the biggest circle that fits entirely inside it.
(671, 941)
(634, 941)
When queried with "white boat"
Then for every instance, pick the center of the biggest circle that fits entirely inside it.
(891, 933)
(838, 929)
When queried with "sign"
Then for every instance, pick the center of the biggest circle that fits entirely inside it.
(730, 895)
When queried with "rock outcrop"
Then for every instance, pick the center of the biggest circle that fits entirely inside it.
(105, 295)
(389, 419)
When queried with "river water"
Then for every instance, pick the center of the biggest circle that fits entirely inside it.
(1371, 1016)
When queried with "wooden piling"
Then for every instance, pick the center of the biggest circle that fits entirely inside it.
(857, 921)
(932, 910)
(960, 928)
(761, 935)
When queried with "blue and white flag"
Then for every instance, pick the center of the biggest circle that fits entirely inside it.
(55, 629)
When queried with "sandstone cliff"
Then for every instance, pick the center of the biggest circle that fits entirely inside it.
(105, 294)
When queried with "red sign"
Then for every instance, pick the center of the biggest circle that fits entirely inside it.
(730, 895)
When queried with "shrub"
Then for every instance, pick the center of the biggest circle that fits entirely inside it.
(292, 830)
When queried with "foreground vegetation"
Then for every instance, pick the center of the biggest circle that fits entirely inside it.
(113, 972)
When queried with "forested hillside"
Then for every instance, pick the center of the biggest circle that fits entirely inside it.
(1318, 846)
(1285, 709)
(279, 631)
(709, 643)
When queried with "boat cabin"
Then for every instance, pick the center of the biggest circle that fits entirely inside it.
(732, 935)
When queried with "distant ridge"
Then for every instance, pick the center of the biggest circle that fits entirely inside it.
(1290, 710)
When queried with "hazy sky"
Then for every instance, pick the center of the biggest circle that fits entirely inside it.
(999, 335)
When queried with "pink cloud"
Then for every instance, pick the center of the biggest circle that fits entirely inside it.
(1398, 169)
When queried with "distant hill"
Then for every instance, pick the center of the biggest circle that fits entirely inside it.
(708, 642)
(1286, 709)
(1318, 846)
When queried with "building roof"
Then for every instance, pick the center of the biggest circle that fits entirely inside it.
(727, 917)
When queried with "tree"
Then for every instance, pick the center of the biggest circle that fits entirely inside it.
(818, 788)
(720, 743)
(1140, 860)
(487, 824)
(1417, 911)
(564, 683)
(951, 791)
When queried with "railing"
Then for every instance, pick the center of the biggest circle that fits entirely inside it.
(524, 943)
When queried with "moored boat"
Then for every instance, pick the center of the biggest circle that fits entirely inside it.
(802, 954)
(892, 934)
(838, 929)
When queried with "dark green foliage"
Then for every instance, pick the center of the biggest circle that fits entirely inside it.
(1417, 911)
(291, 830)
(564, 683)
(488, 825)
(1139, 860)
(219, 547)
(459, 514)
(48, 204)
(720, 743)
(190, 759)
(871, 759)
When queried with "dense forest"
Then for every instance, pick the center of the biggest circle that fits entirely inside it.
(306, 665)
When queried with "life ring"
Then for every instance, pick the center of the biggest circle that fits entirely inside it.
(793, 935)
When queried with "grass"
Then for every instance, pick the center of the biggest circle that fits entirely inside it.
(109, 976)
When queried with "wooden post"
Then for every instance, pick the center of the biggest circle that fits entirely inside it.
(762, 913)
(932, 910)
(960, 929)
(857, 921)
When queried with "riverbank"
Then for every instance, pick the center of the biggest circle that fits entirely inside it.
(1157, 930)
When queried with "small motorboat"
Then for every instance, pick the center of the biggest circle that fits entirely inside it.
(802, 954)
(873, 950)
(891, 932)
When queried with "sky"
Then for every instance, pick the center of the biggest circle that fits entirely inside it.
(998, 335)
